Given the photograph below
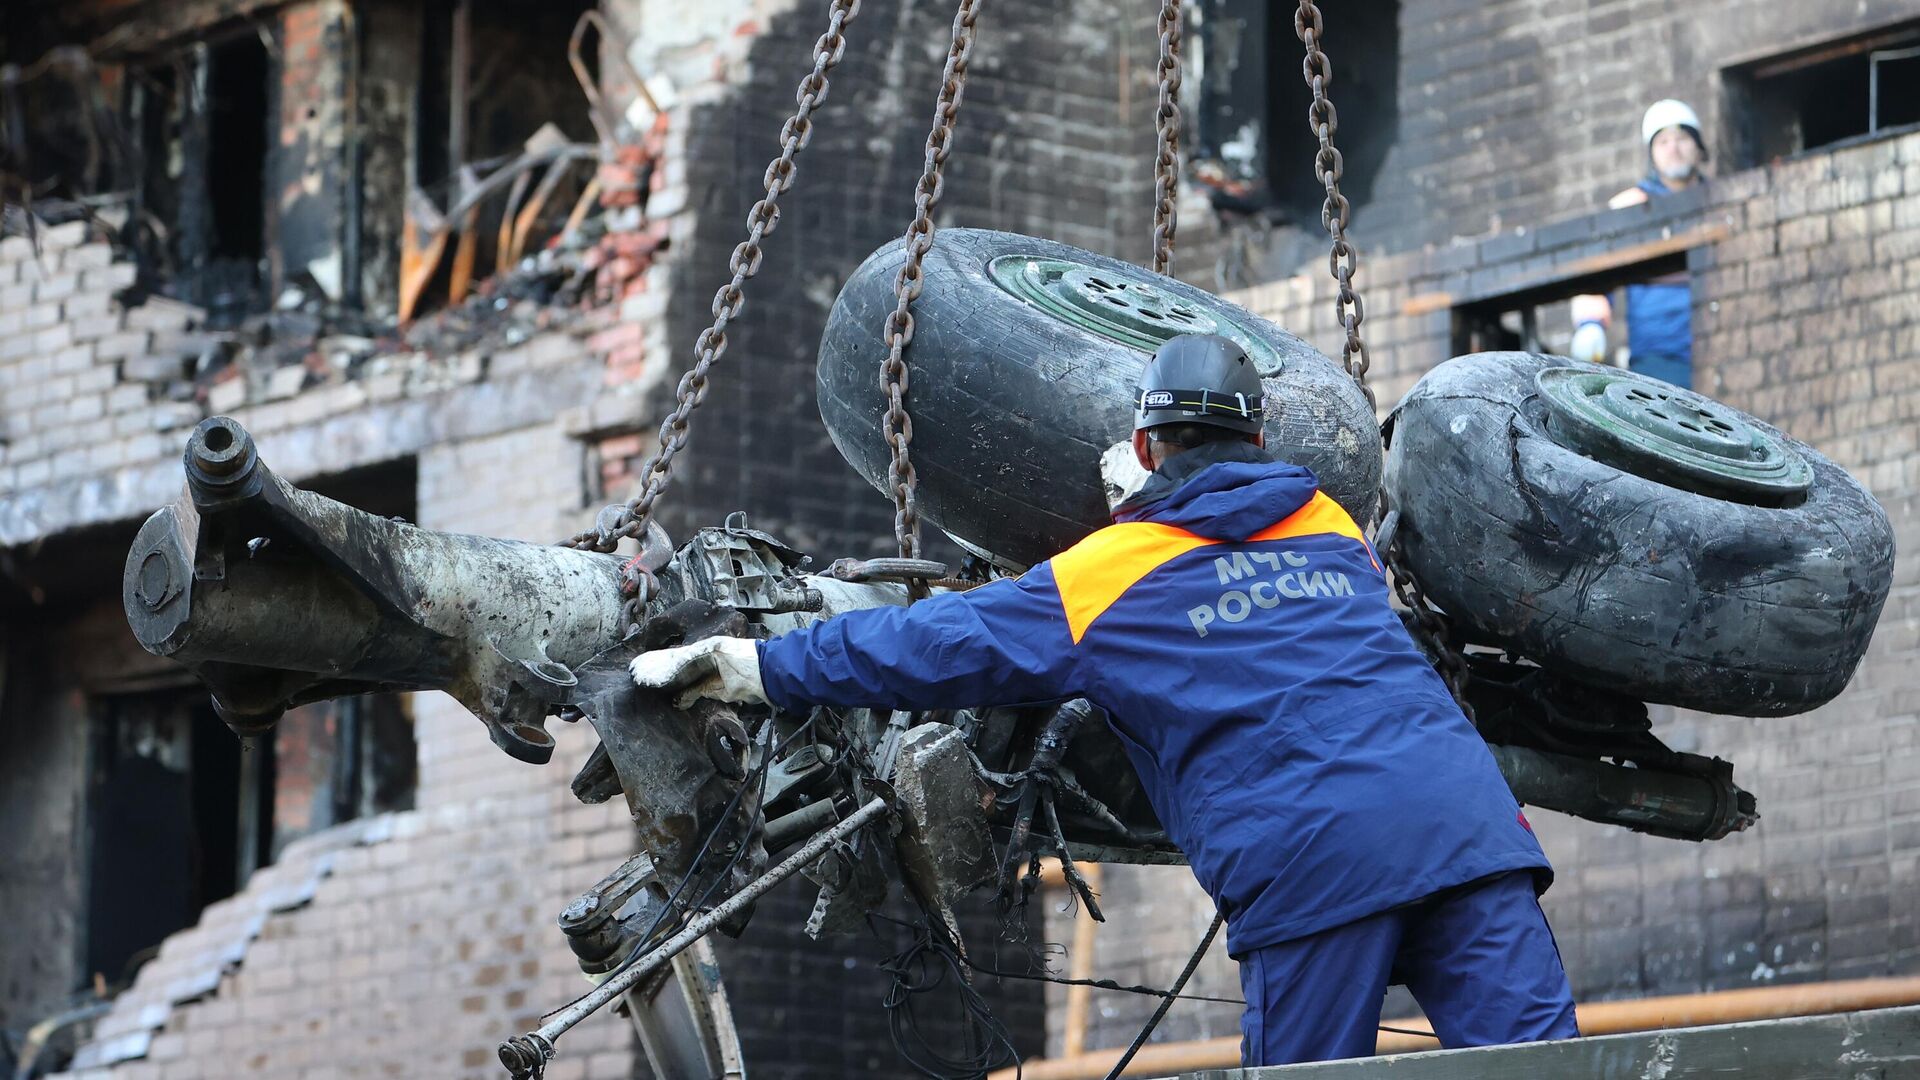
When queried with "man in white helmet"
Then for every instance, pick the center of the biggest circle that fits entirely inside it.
(1659, 312)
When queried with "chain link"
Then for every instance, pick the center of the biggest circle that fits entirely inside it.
(1429, 623)
(1342, 263)
(1166, 162)
(618, 523)
(897, 425)
(1328, 166)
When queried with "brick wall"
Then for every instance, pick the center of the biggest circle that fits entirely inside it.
(412, 951)
(97, 394)
(424, 943)
(1043, 146)
(1805, 314)
(1518, 111)
(62, 336)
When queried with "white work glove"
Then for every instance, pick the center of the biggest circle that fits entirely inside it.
(720, 668)
(1589, 343)
(1120, 473)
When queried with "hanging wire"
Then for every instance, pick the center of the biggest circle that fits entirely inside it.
(1179, 984)
(930, 962)
(757, 780)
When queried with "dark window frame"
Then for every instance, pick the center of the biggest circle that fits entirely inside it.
(1478, 325)
(1820, 97)
(1250, 146)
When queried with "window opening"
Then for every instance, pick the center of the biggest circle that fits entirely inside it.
(339, 760)
(199, 119)
(237, 137)
(494, 81)
(1545, 319)
(176, 821)
(180, 812)
(1902, 105)
(1863, 86)
(1251, 143)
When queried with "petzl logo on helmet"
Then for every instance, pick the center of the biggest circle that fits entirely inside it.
(1157, 399)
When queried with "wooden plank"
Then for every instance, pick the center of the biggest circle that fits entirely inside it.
(463, 256)
(1621, 258)
(1877, 1043)
(1570, 274)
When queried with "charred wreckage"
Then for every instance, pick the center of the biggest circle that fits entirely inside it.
(276, 596)
(1570, 543)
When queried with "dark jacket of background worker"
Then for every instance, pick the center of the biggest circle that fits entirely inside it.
(1344, 815)
(1659, 312)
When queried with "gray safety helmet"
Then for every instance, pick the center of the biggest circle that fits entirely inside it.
(1199, 379)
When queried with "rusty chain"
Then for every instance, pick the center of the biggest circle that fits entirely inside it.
(1342, 263)
(1328, 167)
(897, 425)
(619, 522)
(1166, 161)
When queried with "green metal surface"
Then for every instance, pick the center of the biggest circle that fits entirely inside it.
(1127, 307)
(1659, 431)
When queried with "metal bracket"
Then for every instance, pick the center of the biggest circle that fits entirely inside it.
(748, 570)
(864, 570)
(521, 692)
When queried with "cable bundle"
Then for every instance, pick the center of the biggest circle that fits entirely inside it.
(930, 962)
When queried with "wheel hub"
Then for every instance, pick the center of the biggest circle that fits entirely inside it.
(1125, 307)
(1676, 436)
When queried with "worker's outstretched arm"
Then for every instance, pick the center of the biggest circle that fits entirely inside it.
(1000, 644)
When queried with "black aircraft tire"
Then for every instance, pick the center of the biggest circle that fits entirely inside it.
(1731, 600)
(1012, 404)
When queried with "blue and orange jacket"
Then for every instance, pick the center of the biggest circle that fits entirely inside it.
(1234, 625)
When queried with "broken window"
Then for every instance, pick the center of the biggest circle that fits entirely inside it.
(1251, 142)
(485, 84)
(338, 163)
(177, 818)
(338, 760)
(177, 811)
(198, 122)
(181, 811)
(236, 107)
(347, 758)
(1866, 85)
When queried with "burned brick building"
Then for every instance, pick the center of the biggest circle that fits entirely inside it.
(446, 261)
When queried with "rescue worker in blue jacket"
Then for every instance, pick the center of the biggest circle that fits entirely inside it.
(1659, 312)
(1330, 797)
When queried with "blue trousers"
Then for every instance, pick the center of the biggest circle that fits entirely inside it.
(1677, 370)
(1480, 960)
